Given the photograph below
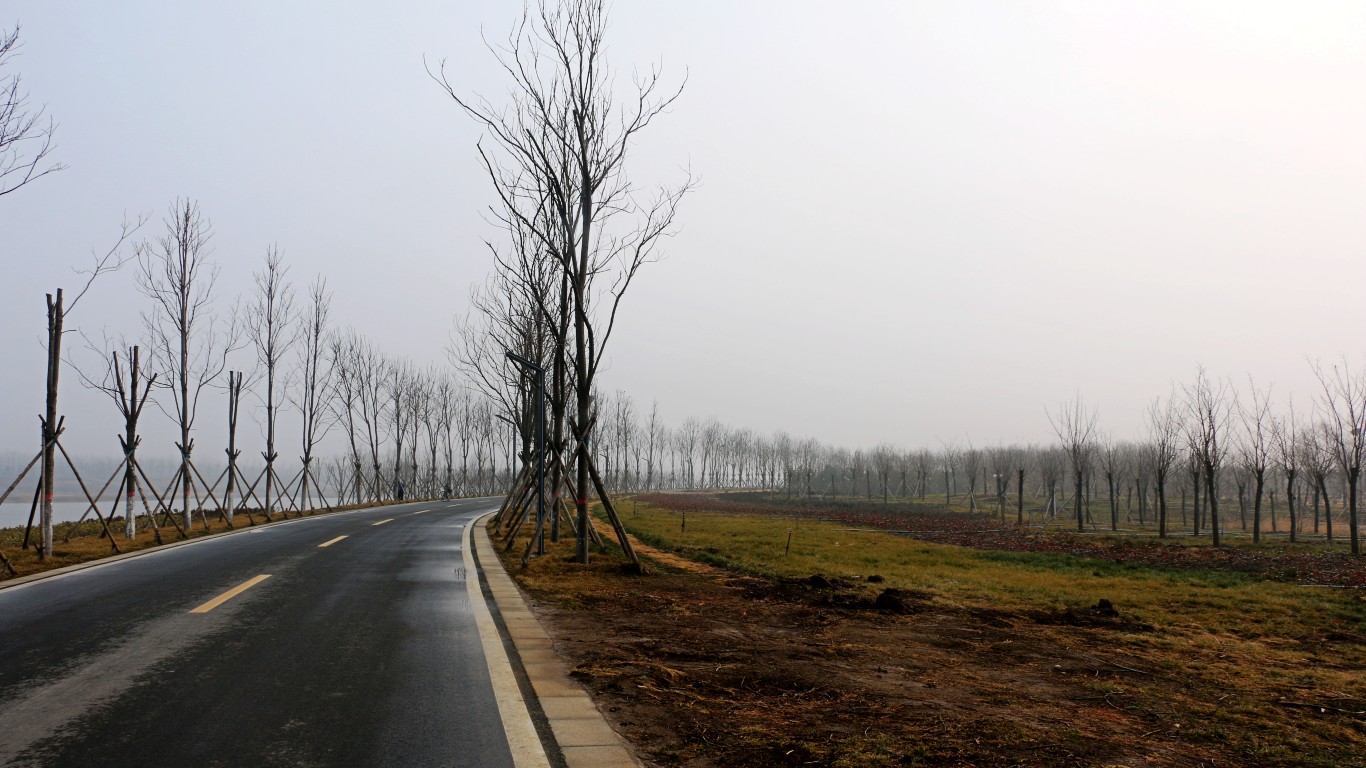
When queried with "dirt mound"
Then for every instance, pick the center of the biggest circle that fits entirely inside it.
(1103, 614)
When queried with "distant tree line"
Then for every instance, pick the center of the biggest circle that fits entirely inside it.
(1213, 458)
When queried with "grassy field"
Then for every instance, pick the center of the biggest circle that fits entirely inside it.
(1235, 527)
(1004, 657)
(1308, 561)
(1174, 600)
(1253, 642)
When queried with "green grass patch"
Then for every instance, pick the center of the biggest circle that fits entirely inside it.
(1231, 615)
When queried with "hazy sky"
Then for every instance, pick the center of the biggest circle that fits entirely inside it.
(916, 221)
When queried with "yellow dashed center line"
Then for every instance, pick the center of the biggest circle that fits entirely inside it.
(230, 594)
(382, 522)
(420, 511)
(330, 542)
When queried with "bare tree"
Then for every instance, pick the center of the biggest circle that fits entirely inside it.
(1164, 441)
(654, 439)
(129, 393)
(58, 311)
(447, 404)
(345, 360)
(1003, 461)
(271, 326)
(1286, 439)
(972, 463)
(687, 437)
(372, 374)
(25, 138)
(949, 464)
(559, 172)
(884, 461)
(1317, 457)
(397, 384)
(710, 443)
(924, 465)
(186, 343)
(1075, 426)
(317, 379)
(1211, 409)
(1052, 463)
(1112, 465)
(1254, 413)
(1344, 406)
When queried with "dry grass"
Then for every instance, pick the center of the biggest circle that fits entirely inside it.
(1000, 659)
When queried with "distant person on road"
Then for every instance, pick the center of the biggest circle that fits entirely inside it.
(398, 490)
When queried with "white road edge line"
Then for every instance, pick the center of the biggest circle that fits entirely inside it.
(523, 741)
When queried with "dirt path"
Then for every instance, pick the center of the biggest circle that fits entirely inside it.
(667, 559)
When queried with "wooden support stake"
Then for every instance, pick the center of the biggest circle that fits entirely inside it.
(498, 518)
(33, 510)
(103, 488)
(151, 517)
(214, 487)
(518, 519)
(251, 491)
(612, 515)
(20, 478)
(198, 500)
(164, 508)
(209, 492)
(283, 490)
(161, 504)
(319, 488)
(103, 523)
(516, 512)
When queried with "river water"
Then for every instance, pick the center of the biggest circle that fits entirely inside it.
(14, 513)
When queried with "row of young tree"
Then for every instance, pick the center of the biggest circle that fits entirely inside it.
(1288, 471)
(579, 234)
(408, 431)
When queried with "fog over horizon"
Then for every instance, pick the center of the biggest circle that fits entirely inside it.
(916, 223)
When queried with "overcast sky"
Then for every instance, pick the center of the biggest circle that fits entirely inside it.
(917, 222)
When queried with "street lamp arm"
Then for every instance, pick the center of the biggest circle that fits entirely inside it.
(516, 358)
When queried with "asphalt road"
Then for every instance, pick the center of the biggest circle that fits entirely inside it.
(360, 653)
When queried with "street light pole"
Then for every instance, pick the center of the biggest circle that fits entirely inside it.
(540, 446)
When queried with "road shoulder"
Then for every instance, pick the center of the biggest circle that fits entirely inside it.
(580, 731)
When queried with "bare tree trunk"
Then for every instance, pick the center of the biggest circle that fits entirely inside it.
(1353, 474)
(1290, 498)
(235, 385)
(55, 317)
(1258, 482)
(1212, 502)
(1019, 497)
(1162, 506)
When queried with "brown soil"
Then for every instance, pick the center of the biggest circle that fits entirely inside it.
(698, 666)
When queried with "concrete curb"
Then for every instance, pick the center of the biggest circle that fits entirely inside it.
(580, 730)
